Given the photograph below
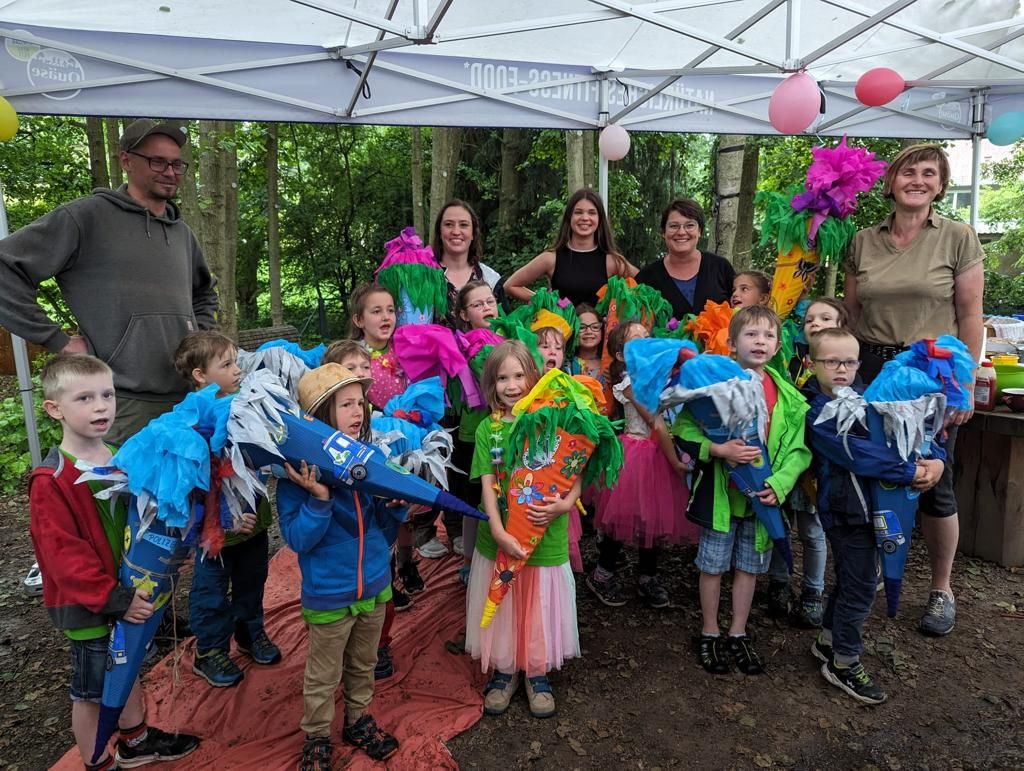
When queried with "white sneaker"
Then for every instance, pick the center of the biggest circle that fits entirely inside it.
(457, 546)
(433, 549)
(33, 583)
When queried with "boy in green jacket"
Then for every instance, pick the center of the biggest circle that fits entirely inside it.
(730, 535)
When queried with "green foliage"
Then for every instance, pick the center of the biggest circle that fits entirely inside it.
(1003, 205)
(14, 455)
(1004, 295)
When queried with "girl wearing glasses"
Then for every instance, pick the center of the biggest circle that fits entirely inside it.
(588, 352)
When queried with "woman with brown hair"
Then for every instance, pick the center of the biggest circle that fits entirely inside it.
(458, 248)
(582, 259)
(918, 275)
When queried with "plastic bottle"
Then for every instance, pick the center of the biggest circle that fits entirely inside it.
(985, 387)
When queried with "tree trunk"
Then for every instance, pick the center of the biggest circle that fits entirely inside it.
(574, 164)
(744, 242)
(728, 177)
(188, 191)
(418, 212)
(229, 149)
(590, 159)
(97, 152)
(273, 229)
(508, 191)
(831, 272)
(446, 147)
(212, 203)
(113, 130)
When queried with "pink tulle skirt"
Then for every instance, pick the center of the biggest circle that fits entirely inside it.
(648, 505)
(534, 628)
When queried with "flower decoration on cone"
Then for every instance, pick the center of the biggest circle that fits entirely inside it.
(414, 278)
(811, 225)
(710, 327)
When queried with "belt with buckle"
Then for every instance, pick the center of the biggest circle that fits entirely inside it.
(884, 352)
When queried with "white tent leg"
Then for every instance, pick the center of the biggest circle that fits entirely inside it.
(602, 163)
(979, 123)
(24, 372)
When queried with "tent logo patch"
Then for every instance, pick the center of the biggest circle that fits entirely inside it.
(51, 66)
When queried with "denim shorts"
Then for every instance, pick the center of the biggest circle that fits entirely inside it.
(88, 669)
(719, 551)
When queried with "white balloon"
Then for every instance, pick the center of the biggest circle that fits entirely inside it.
(614, 142)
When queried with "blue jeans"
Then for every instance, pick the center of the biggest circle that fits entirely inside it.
(808, 528)
(853, 557)
(227, 594)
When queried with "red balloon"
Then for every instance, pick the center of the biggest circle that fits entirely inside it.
(879, 86)
(795, 104)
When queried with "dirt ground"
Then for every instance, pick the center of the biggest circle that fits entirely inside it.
(638, 699)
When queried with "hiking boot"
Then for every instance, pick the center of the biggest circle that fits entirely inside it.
(261, 650)
(652, 593)
(411, 579)
(821, 651)
(778, 599)
(385, 666)
(540, 696)
(316, 754)
(375, 742)
(940, 614)
(712, 655)
(741, 648)
(499, 691)
(156, 746)
(812, 610)
(433, 549)
(608, 591)
(401, 600)
(457, 546)
(855, 681)
(217, 668)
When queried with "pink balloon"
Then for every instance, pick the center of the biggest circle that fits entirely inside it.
(795, 104)
(879, 86)
(614, 142)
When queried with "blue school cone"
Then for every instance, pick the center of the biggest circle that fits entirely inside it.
(748, 477)
(346, 463)
(150, 563)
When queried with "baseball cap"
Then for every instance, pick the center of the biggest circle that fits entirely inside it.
(137, 131)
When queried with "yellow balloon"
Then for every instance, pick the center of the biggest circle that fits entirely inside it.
(8, 120)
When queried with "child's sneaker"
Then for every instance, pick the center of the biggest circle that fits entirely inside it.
(217, 669)
(540, 696)
(385, 666)
(607, 591)
(712, 655)
(499, 691)
(741, 648)
(412, 581)
(457, 546)
(821, 651)
(433, 549)
(855, 681)
(401, 600)
(652, 592)
(261, 650)
(364, 734)
(812, 610)
(316, 754)
(778, 599)
(464, 576)
(156, 746)
(33, 583)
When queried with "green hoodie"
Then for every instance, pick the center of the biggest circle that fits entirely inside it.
(787, 452)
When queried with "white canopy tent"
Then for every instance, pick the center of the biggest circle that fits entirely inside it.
(648, 65)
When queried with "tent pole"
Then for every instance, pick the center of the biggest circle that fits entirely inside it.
(978, 105)
(22, 366)
(602, 162)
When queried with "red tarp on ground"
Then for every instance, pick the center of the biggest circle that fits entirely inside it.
(433, 695)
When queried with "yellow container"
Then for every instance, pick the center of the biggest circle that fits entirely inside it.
(1004, 359)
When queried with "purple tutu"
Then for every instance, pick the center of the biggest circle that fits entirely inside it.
(648, 505)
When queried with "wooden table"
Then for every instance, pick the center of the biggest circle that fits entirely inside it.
(988, 476)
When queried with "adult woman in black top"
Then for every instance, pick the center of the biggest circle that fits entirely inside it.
(686, 276)
(582, 259)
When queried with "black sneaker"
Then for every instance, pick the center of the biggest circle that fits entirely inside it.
(217, 668)
(812, 610)
(778, 599)
(653, 593)
(316, 754)
(821, 651)
(741, 648)
(260, 649)
(385, 666)
(712, 655)
(401, 599)
(412, 582)
(364, 734)
(608, 591)
(157, 746)
(855, 681)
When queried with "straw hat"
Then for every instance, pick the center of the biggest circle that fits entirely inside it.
(317, 385)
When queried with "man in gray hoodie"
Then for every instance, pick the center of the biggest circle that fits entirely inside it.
(132, 273)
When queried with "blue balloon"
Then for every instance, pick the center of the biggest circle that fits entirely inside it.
(1006, 129)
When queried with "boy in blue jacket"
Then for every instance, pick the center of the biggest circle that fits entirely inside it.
(843, 468)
